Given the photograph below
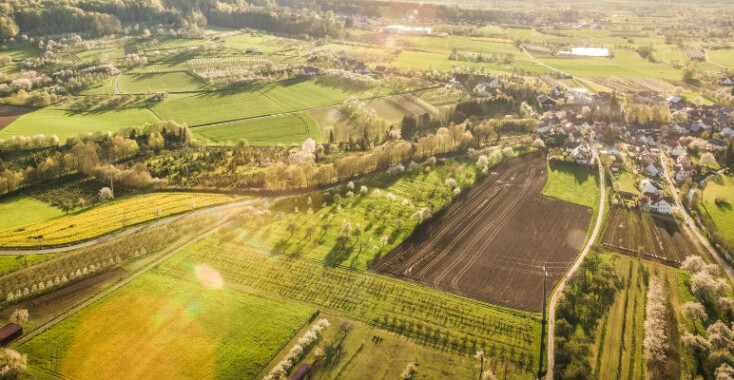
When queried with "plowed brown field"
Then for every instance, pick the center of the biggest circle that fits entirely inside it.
(490, 245)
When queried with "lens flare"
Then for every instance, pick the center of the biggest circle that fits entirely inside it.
(208, 276)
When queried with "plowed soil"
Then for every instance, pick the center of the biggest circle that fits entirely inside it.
(491, 244)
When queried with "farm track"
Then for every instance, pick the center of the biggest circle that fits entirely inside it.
(491, 244)
(589, 243)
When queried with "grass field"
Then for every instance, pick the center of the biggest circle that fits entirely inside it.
(451, 327)
(180, 327)
(373, 214)
(65, 123)
(626, 181)
(573, 183)
(19, 210)
(176, 81)
(288, 129)
(721, 213)
(106, 218)
(11, 263)
(261, 100)
(625, 63)
(440, 61)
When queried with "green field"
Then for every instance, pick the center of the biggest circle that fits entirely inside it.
(625, 64)
(178, 326)
(291, 129)
(721, 214)
(573, 183)
(176, 81)
(451, 327)
(626, 181)
(424, 60)
(261, 100)
(65, 123)
(11, 263)
(19, 210)
(107, 217)
(373, 214)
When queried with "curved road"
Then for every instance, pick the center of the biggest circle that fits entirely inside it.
(20, 252)
(576, 265)
(690, 223)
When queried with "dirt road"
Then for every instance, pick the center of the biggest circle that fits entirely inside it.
(576, 265)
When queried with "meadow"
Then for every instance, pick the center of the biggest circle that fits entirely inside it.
(255, 101)
(314, 224)
(290, 129)
(182, 327)
(573, 183)
(106, 218)
(625, 63)
(64, 123)
(176, 81)
(19, 210)
(720, 213)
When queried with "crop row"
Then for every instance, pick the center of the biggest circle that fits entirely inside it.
(106, 218)
(426, 315)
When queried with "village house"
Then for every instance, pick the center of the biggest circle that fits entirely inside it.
(659, 203)
(545, 102)
(309, 71)
(361, 68)
(675, 148)
(649, 186)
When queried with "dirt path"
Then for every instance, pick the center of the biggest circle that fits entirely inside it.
(690, 224)
(117, 84)
(565, 73)
(575, 266)
(706, 55)
(43, 251)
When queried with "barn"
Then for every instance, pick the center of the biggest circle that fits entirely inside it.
(9, 333)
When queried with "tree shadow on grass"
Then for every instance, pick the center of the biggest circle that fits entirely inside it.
(338, 254)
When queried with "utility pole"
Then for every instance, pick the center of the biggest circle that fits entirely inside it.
(543, 322)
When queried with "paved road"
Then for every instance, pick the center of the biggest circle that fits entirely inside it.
(576, 265)
(690, 223)
(17, 252)
(565, 73)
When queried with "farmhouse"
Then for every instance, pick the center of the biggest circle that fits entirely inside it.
(9, 333)
(545, 102)
(648, 186)
(675, 149)
(680, 173)
(660, 204)
(361, 68)
(727, 82)
(309, 71)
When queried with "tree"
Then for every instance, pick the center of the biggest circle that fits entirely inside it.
(308, 146)
(12, 364)
(105, 194)
(656, 341)
(695, 311)
(707, 159)
(408, 127)
(19, 316)
(8, 28)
